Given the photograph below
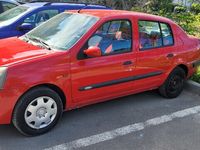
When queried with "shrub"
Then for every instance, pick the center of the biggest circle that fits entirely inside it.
(196, 77)
(195, 8)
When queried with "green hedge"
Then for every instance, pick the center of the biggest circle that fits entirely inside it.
(196, 77)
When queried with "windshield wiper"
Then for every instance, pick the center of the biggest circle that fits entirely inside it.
(40, 41)
(24, 38)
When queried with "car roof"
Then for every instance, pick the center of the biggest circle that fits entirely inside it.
(10, 1)
(118, 13)
(60, 4)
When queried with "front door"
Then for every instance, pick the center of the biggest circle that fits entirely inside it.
(103, 77)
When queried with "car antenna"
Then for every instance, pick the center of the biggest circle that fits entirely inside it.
(82, 8)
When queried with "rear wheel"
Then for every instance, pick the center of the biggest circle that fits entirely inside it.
(173, 86)
(37, 111)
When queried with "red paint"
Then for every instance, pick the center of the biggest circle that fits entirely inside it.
(30, 66)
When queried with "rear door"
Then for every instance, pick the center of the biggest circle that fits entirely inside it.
(110, 75)
(155, 53)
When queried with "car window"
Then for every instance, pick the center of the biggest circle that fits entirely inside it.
(113, 37)
(13, 13)
(167, 34)
(149, 34)
(6, 6)
(40, 17)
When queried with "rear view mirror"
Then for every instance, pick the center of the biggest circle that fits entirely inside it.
(25, 27)
(93, 51)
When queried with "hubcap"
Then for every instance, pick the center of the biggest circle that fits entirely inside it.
(41, 112)
(175, 83)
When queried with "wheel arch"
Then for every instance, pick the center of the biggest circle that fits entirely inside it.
(53, 87)
(184, 67)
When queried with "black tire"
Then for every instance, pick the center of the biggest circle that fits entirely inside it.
(173, 86)
(31, 98)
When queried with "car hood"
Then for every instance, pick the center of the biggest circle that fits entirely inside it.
(14, 50)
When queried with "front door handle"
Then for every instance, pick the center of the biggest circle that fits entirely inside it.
(126, 63)
(170, 55)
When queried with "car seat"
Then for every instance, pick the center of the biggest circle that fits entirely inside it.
(42, 17)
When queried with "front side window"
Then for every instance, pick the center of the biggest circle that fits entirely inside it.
(112, 37)
(40, 17)
(62, 31)
(13, 13)
(6, 6)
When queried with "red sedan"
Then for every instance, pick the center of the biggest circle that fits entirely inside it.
(79, 58)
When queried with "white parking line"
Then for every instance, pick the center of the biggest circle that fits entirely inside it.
(109, 135)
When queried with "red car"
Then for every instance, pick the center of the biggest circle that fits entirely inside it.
(79, 58)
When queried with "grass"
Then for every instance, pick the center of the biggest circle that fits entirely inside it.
(196, 77)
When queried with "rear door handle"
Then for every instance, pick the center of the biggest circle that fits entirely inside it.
(170, 55)
(126, 63)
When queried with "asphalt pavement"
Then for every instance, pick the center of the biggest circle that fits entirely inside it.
(144, 121)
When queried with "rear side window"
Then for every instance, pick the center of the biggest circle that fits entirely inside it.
(166, 34)
(154, 34)
(150, 35)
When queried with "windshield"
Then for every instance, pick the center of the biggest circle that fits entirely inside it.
(12, 13)
(62, 31)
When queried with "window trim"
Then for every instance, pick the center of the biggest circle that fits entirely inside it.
(171, 31)
(80, 53)
(159, 23)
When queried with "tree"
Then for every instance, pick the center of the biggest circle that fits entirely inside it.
(164, 5)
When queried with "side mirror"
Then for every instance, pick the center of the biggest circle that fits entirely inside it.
(93, 51)
(25, 27)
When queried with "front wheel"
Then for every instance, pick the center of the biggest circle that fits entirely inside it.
(37, 111)
(173, 86)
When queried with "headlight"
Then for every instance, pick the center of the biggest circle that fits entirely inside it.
(3, 71)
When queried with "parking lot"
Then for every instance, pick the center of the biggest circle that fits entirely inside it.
(143, 121)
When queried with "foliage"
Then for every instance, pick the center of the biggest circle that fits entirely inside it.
(156, 5)
(187, 20)
(195, 8)
(179, 9)
(196, 77)
(115, 4)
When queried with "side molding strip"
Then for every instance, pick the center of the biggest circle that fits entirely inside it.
(122, 80)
